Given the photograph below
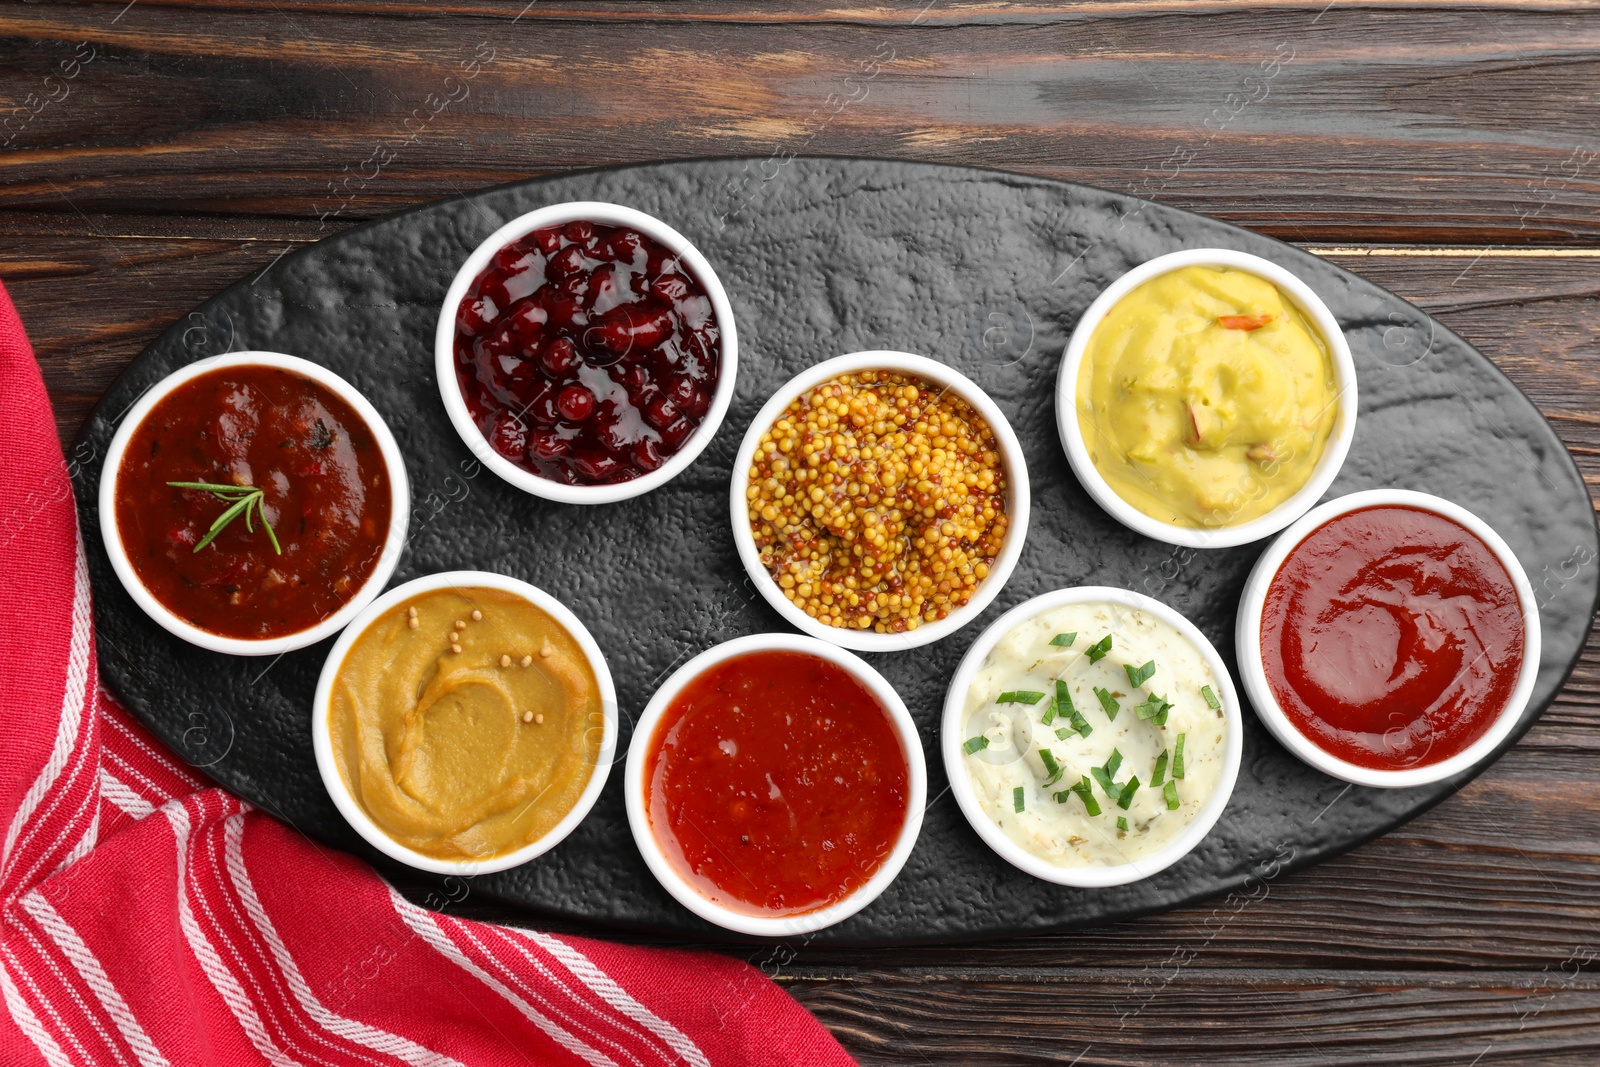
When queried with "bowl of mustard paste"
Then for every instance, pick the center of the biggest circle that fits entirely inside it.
(1207, 398)
(465, 722)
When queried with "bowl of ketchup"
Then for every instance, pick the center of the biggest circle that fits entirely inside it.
(775, 784)
(1389, 638)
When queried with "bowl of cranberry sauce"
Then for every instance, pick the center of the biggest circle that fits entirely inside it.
(253, 503)
(1389, 638)
(586, 352)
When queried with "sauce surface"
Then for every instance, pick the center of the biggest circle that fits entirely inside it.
(466, 737)
(776, 783)
(1392, 637)
(325, 492)
(1206, 398)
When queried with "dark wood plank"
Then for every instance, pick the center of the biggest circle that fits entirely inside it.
(1308, 121)
(1086, 1017)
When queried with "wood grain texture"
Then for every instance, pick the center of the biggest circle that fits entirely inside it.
(1445, 151)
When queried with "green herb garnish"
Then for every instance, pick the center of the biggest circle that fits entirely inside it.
(976, 744)
(1064, 640)
(1122, 822)
(1137, 676)
(1108, 702)
(1085, 792)
(1161, 770)
(1114, 762)
(1019, 696)
(1103, 776)
(1064, 702)
(1171, 793)
(1017, 798)
(1049, 714)
(1177, 757)
(1130, 787)
(1098, 650)
(1155, 708)
(1064, 732)
(241, 500)
(1211, 698)
(1052, 768)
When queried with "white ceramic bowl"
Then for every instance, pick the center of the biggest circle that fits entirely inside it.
(1333, 455)
(322, 741)
(608, 215)
(1017, 506)
(744, 922)
(394, 539)
(952, 734)
(1253, 675)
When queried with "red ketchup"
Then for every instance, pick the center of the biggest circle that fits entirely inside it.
(1392, 637)
(776, 783)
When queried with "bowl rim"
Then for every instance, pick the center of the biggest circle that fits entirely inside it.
(1253, 675)
(1018, 506)
(1322, 475)
(322, 740)
(951, 739)
(394, 538)
(806, 922)
(606, 214)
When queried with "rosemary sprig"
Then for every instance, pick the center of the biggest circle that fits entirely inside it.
(241, 500)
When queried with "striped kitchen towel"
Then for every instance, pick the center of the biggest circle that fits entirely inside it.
(151, 918)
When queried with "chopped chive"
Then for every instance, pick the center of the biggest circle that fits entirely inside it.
(1085, 792)
(1104, 778)
(976, 744)
(1122, 822)
(1170, 791)
(1211, 698)
(1161, 770)
(1064, 640)
(1177, 757)
(1064, 702)
(1154, 707)
(1019, 696)
(1051, 767)
(1050, 713)
(1017, 798)
(1114, 762)
(1108, 702)
(1129, 787)
(1137, 676)
(1064, 732)
(1098, 650)
(1061, 796)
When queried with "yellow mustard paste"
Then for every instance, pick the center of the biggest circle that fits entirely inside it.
(466, 722)
(1205, 397)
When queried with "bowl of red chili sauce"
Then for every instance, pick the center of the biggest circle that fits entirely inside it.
(586, 352)
(253, 503)
(775, 784)
(1389, 638)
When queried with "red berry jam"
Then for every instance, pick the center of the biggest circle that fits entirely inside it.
(587, 354)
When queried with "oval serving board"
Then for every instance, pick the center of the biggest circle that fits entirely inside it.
(983, 270)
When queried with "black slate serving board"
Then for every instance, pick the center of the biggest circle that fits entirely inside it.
(983, 270)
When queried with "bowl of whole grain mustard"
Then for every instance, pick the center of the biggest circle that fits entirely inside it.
(880, 501)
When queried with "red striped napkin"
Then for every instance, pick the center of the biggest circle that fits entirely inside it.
(152, 919)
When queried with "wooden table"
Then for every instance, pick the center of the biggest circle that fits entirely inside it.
(161, 149)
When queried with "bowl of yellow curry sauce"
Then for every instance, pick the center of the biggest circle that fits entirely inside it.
(1207, 398)
(465, 722)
